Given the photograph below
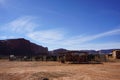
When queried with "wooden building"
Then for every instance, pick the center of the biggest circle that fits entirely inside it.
(116, 54)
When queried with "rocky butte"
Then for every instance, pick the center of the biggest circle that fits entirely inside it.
(21, 47)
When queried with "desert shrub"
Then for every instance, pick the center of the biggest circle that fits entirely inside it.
(45, 79)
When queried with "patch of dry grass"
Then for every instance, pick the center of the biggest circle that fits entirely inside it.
(57, 71)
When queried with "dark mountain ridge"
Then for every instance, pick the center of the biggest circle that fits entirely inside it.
(21, 47)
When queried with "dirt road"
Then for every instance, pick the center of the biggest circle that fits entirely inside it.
(58, 71)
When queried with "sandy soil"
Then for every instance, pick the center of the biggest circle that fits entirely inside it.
(58, 71)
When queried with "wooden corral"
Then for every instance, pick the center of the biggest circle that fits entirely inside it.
(20, 58)
(75, 56)
(97, 57)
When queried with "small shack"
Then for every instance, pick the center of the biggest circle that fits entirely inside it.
(116, 54)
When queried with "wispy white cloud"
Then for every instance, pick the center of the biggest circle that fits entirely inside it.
(2, 2)
(26, 26)
(54, 38)
(82, 39)
(47, 36)
(20, 25)
(7, 37)
(105, 45)
(94, 46)
(58, 39)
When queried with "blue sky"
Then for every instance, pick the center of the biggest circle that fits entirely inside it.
(70, 24)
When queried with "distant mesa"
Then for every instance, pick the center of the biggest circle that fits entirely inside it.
(56, 52)
(21, 47)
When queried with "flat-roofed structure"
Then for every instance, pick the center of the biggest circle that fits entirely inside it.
(116, 54)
